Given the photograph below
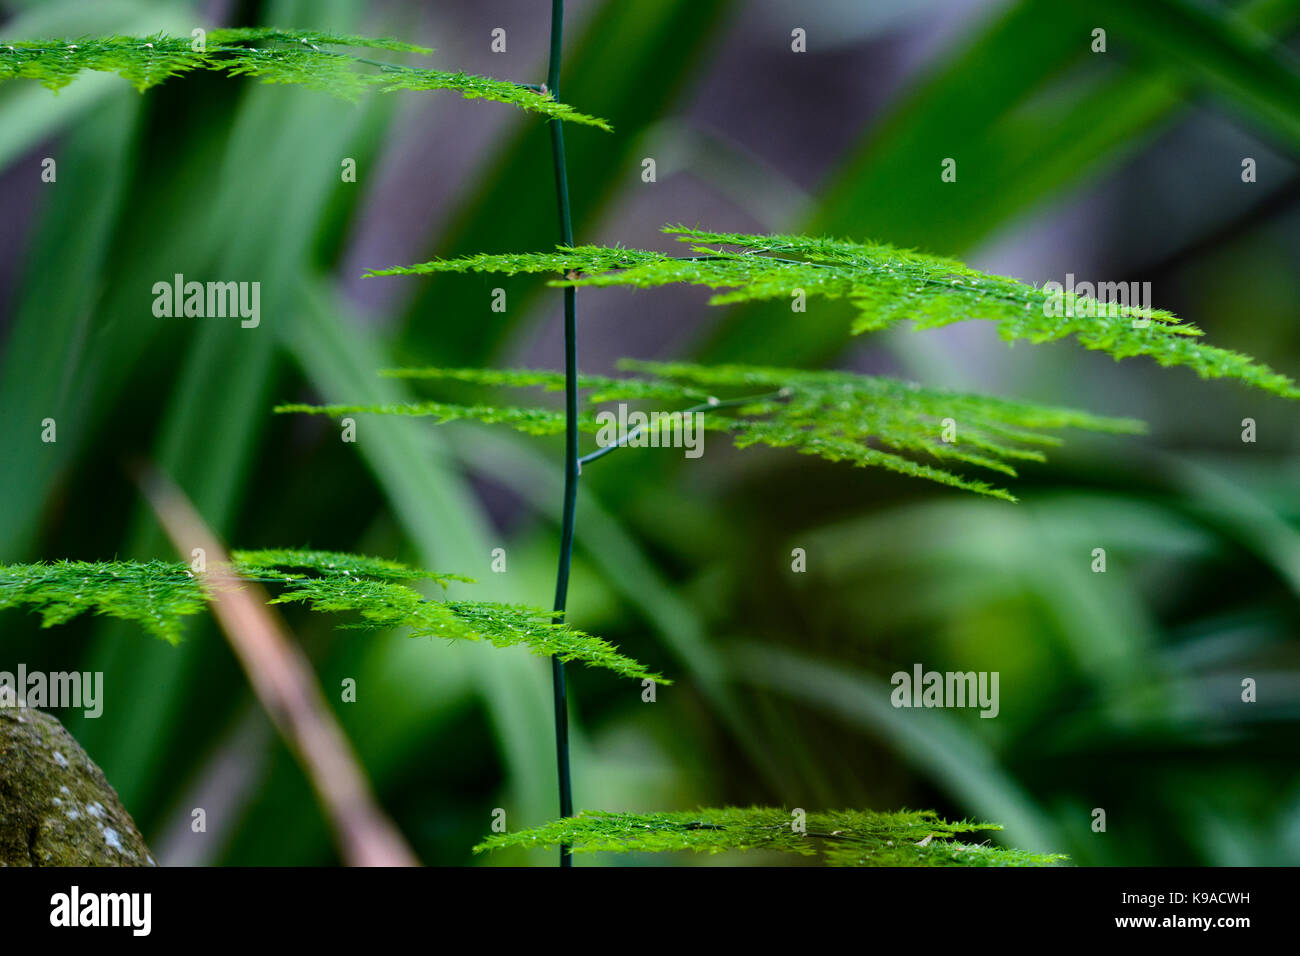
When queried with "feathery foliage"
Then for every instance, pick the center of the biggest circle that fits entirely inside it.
(531, 421)
(153, 594)
(885, 285)
(838, 837)
(839, 416)
(273, 56)
(159, 595)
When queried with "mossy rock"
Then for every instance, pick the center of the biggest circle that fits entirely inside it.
(56, 807)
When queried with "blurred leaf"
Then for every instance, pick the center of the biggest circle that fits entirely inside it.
(1217, 47)
(930, 741)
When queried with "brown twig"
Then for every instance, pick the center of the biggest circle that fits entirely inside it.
(284, 683)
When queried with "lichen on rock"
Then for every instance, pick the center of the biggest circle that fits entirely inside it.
(56, 806)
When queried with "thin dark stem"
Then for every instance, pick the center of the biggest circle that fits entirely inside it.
(571, 467)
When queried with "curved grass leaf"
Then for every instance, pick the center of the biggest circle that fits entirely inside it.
(839, 416)
(885, 285)
(159, 595)
(837, 837)
(273, 56)
(1222, 47)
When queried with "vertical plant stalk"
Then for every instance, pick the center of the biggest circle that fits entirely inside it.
(572, 467)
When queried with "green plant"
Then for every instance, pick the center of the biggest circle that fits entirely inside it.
(833, 415)
(838, 837)
(158, 595)
(885, 285)
(300, 57)
(830, 414)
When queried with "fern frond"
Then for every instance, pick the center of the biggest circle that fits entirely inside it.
(839, 416)
(885, 285)
(160, 595)
(602, 387)
(154, 594)
(837, 837)
(270, 561)
(227, 36)
(300, 57)
(531, 421)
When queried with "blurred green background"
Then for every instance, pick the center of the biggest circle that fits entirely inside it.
(1119, 691)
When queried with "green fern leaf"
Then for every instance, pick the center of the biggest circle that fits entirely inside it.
(292, 563)
(837, 837)
(840, 416)
(298, 57)
(160, 595)
(602, 388)
(228, 36)
(885, 285)
(154, 594)
(532, 421)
